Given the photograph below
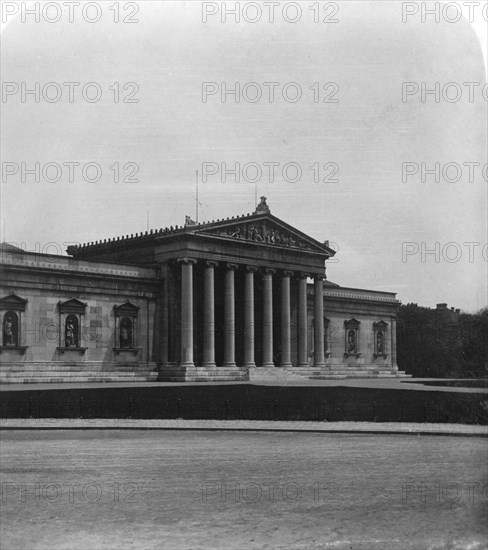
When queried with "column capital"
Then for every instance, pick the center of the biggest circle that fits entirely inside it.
(211, 263)
(269, 270)
(231, 266)
(251, 268)
(318, 277)
(302, 275)
(187, 260)
(287, 273)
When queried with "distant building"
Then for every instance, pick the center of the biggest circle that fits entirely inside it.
(222, 300)
(447, 315)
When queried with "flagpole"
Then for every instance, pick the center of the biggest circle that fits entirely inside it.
(196, 185)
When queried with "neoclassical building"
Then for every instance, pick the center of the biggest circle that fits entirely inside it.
(245, 298)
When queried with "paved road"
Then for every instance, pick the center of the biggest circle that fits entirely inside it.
(426, 428)
(122, 489)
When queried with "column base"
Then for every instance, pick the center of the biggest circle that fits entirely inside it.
(319, 366)
(266, 365)
(303, 365)
(286, 365)
(187, 364)
(209, 365)
(229, 365)
(249, 365)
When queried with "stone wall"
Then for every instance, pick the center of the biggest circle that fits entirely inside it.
(367, 307)
(48, 281)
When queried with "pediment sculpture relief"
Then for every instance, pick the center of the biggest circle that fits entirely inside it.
(263, 233)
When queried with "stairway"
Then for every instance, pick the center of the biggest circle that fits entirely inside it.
(338, 372)
(89, 371)
(85, 372)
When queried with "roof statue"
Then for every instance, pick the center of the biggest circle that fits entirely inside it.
(262, 207)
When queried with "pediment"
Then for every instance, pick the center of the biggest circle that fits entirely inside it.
(380, 325)
(13, 302)
(73, 305)
(265, 230)
(126, 309)
(352, 323)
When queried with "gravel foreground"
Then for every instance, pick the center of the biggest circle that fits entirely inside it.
(192, 489)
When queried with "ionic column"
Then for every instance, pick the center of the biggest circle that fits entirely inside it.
(229, 318)
(187, 312)
(209, 315)
(285, 320)
(302, 321)
(268, 318)
(249, 360)
(164, 328)
(319, 321)
(393, 343)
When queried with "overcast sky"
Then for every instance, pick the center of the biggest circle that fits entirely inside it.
(376, 218)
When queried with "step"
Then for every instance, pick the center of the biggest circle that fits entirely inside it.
(74, 368)
(67, 375)
(62, 380)
(77, 373)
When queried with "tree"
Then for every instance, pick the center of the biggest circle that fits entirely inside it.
(442, 343)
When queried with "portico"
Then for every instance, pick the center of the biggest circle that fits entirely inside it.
(242, 297)
(231, 330)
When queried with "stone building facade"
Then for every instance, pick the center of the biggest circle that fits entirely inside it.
(244, 298)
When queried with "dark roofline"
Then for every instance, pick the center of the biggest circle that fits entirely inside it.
(192, 228)
(369, 290)
(43, 256)
(8, 247)
(146, 235)
(17, 250)
(339, 287)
